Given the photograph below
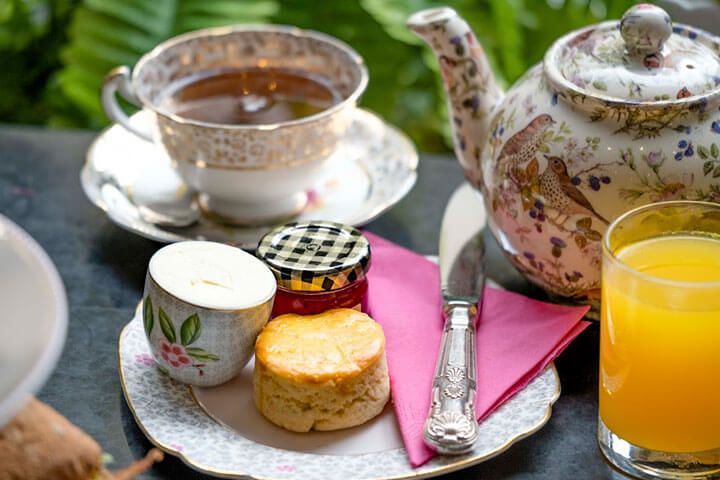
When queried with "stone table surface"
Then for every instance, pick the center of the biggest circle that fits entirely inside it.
(103, 268)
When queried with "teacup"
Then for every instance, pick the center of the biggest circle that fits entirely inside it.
(203, 307)
(243, 173)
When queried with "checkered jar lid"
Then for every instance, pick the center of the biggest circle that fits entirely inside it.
(315, 256)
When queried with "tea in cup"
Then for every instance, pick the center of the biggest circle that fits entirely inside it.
(248, 115)
(203, 307)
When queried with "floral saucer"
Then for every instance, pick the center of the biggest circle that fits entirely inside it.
(218, 431)
(373, 169)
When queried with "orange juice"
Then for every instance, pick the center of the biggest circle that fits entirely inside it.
(660, 344)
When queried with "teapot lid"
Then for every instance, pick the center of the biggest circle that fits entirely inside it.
(641, 59)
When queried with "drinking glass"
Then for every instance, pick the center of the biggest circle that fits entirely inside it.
(660, 342)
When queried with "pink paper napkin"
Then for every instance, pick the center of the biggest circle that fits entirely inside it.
(517, 337)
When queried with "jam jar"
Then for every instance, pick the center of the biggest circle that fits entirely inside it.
(318, 266)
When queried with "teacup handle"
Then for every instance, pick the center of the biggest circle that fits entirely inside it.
(118, 80)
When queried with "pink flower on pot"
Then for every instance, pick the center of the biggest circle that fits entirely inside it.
(175, 348)
(174, 354)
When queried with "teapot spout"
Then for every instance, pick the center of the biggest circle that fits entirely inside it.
(471, 88)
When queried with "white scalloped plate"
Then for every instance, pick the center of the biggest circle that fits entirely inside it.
(172, 417)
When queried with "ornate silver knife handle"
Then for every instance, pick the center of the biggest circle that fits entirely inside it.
(451, 427)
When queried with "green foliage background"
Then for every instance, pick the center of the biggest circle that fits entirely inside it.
(55, 52)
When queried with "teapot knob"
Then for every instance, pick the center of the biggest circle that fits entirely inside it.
(645, 28)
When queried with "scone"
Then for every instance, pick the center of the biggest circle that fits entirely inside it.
(321, 372)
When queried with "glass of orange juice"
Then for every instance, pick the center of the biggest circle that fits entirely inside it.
(660, 342)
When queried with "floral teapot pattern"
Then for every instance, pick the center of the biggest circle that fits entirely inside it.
(617, 115)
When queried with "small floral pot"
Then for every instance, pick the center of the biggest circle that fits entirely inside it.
(198, 345)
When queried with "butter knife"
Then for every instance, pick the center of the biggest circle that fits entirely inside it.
(451, 425)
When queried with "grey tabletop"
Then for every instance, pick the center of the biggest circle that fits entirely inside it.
(103, 268)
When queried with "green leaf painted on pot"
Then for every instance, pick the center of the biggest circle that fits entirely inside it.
(148, 318)
(708, 166)
(166, 325)
(190, 330)
(703, 152)
(200, 354)
(544, 148)
(714, 150)
(600, 85)
(716, 172)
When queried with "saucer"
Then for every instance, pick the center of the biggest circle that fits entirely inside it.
(374, 168)
(219, 431)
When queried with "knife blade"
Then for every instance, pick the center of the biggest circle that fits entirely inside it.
(451, 425)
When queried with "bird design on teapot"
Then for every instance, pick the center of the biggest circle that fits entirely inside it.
(618, 115)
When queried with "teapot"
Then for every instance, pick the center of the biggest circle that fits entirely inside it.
(617, 115)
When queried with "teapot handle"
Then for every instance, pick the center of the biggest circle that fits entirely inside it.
(118, 80)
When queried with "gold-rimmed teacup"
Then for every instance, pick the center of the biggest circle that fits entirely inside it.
(204, 305)
(246, 174)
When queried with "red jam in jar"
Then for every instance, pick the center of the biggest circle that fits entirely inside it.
(318, 266)
(310, 303)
